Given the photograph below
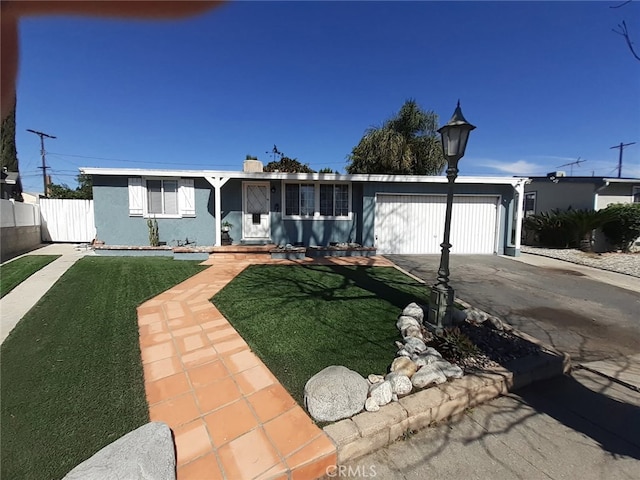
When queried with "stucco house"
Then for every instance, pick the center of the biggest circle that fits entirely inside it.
(558, 191)
(395, 214)
(10, 184)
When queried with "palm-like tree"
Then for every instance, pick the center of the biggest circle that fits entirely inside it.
(406, 144)
(583, 223)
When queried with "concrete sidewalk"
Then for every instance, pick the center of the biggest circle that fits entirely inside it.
(583, 426)
(605, 276)
(21, 299)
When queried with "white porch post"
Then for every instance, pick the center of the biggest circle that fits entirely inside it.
(217, 183)
(519, 213)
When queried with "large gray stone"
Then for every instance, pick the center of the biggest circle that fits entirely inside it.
(449, 369)
(412, 331)
(147, 453)
(381, 393)
(405, 321)
(427, 375)
(414, 345)
(400, 384)
(425, 359)
(370, 405)
(414, 310)
(477, 317)
(335, 393)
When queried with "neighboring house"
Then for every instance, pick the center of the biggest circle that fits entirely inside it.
(396, 214)
(10, 186)
(31, 197)
(592, 193)
(557, 191)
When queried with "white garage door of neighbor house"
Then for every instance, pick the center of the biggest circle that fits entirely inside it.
(408, 224)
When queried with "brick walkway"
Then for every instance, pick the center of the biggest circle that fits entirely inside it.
(230, 416)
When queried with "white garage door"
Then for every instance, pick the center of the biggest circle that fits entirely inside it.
(415, 223)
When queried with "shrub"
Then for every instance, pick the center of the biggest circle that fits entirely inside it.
(549, 229)
(564, 229)
(624, 226)
(582, 223)
(454, 345)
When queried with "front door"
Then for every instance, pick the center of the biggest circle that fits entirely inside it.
(255, 217)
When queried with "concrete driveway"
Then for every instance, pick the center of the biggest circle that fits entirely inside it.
(585, 425)
(557, 302)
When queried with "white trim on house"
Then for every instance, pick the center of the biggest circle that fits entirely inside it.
(329, 177)
(139, 197)
(217, 182)
(262, 229)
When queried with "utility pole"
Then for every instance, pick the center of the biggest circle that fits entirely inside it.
(621, 147)
(44, 158)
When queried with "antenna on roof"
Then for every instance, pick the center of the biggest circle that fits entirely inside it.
(571, 164)
(274, 151)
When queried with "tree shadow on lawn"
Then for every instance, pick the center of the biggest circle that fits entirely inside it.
(300, 319)
(358, 276)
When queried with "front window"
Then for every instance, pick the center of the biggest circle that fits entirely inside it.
(307, 200)
(162, 197)
(334, 200)
(636, 194)
(529, 203)
(316, 200)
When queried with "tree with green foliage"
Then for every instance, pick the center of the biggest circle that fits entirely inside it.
(582, 224)
(83, 191)
(8, 151)
(288, 165)
(624, 227)
(327, 170)
(406, 144)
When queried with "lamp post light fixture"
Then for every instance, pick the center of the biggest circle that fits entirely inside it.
(454, 142)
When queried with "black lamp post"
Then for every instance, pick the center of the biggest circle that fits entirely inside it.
(454, 142)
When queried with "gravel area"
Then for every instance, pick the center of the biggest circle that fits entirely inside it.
(495, 347)
(627, 263)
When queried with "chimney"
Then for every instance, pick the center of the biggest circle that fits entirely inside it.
(252, 166)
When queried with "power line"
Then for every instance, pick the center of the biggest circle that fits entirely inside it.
(44, 158)
(129, 161)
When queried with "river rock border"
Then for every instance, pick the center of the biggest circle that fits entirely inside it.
(369, 431)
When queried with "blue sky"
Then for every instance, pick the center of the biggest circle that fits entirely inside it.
(545, 83)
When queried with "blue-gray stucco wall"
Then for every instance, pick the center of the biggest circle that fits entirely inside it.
(308, 232)
(114, 226)
(369, 202)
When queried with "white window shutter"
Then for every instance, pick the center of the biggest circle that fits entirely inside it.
(187, 198)
(136, 197)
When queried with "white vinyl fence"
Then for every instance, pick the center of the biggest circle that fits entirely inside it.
(67, 220)
(18, 214)
(20, 230)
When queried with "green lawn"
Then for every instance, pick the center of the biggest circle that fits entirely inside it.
(299, 320)
(14, 273)
(71, 378)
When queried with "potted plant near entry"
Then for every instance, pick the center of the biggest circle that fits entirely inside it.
(225, 238)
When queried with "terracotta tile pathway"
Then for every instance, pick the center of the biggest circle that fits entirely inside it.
(230, 416)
